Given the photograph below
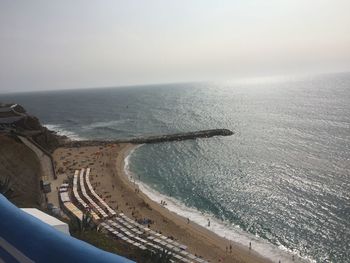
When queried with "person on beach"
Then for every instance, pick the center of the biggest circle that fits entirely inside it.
(208, 222)
(188, 220)
(230, 248)
(250, 245)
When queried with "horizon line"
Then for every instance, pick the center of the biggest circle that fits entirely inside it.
(241, 78)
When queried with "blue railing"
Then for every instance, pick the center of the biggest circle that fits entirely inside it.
(25, 239)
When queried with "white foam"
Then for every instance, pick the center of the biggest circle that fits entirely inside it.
(60, 131)
(103, 124)
(223, 229)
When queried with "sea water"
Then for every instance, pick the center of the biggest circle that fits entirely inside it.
(282, 181)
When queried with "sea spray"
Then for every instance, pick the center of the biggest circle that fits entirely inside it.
(64, 132)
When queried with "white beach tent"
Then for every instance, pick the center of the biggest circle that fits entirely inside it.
(50, 220)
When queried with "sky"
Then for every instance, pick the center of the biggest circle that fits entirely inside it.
(69, 44)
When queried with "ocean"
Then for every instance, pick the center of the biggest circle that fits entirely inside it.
(282, 181)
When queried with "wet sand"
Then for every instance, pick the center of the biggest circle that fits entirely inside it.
(110, 181)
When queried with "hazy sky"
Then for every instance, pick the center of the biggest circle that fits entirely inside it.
(86, 43)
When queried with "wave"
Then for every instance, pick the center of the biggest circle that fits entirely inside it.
(104, 124)
(108, 129)
(221, 228)
(63, 132)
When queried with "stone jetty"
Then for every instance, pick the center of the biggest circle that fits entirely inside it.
(181, 136)
(157, 138)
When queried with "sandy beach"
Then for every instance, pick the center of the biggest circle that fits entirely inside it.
(111, 182)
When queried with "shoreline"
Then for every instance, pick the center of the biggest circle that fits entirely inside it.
(238, 238)
(238, 250)
(111, 180)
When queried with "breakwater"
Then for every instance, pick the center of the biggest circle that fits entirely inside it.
(181, 136)
(156, 138)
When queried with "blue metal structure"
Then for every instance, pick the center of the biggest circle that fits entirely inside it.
(25, 239)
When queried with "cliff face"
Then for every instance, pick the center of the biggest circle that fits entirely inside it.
(28, 123)
(48, 140)
(21, 166)
(31, 126)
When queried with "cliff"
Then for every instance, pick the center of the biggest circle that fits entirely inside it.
(15, 119)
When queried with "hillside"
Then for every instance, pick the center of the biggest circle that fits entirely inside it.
(21, 166)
